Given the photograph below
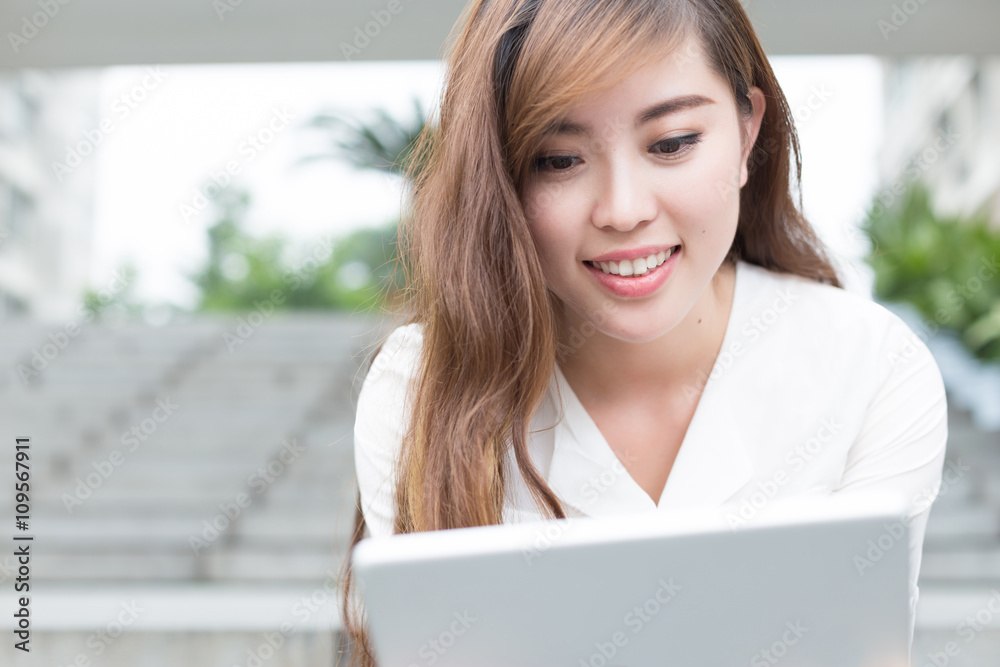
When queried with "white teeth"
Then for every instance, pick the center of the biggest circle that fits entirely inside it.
(635, 267)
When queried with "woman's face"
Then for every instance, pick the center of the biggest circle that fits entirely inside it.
(648, 171)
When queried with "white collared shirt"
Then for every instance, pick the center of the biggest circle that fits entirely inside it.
(815, 391)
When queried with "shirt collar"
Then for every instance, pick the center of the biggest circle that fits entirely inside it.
(711, 465)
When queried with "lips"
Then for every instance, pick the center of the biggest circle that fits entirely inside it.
(636, 286)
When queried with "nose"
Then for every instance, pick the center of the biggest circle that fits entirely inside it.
(623, 199)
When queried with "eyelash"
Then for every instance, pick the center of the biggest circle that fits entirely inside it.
(687, 143)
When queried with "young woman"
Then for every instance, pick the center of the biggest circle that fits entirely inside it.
(616, 304)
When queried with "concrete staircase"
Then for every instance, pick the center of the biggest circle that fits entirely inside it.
(209, 481)
(958, 618)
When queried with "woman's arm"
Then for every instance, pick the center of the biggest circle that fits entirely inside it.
(380, 422)
(901, 444)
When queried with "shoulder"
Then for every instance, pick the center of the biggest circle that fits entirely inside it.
(385, 388)
(826, 334)
(399, 353)
(814, 298)
(828, 315)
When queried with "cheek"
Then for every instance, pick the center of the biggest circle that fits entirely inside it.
(550, 216)
(710, 203)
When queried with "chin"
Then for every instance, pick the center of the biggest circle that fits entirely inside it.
(638, 334)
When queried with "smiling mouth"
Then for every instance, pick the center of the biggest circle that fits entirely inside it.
(634, 267)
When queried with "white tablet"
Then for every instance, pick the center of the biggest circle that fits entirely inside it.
(794, 586)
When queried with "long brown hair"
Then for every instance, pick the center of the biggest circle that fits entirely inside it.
(475, 284)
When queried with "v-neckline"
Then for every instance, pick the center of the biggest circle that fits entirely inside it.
(595, 445)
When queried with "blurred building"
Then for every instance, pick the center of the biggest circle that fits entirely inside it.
(46, 189)
(941, 128)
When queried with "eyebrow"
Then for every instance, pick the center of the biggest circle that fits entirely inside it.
(658, 110)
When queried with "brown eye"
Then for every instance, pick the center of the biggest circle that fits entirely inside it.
(677, 145)
(554, 163)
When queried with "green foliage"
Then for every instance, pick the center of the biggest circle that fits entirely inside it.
(355, 272)
(384, 144)
(115, 299)
(359, 271)
(947, 268)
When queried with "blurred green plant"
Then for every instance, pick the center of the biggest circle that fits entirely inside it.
(946, 267)
(242, 271)
(116, 299)
(360, 271)
(382, 144)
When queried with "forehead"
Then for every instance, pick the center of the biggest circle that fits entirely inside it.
(679, 81)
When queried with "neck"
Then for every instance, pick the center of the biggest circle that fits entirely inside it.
(678, 361)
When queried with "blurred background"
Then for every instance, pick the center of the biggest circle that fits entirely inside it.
(198, 206)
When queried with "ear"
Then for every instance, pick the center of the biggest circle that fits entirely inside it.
(752, 129)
